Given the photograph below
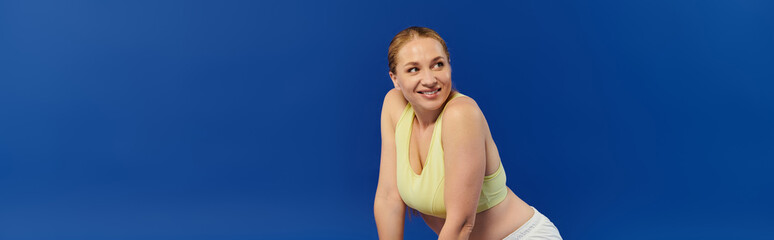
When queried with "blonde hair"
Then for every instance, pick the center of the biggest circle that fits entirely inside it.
(407, 35)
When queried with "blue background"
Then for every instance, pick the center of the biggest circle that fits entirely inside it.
(260, 120)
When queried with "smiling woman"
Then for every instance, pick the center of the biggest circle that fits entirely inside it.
(455, 179)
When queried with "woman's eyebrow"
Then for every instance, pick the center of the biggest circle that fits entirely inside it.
(415, 63)
(411, 63)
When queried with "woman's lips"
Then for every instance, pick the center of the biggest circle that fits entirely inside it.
(431, 96)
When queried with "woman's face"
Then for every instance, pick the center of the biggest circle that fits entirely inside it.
(423, 73)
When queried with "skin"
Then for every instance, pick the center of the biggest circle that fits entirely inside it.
(469, 151)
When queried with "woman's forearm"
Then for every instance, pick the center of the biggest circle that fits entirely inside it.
(389, 216)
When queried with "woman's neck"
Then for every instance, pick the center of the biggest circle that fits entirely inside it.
(427, 118)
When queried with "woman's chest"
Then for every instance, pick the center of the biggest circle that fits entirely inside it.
(420, 143)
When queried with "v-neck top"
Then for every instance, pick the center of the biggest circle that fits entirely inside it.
(425, 191)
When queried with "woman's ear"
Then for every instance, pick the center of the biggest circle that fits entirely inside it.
(394, 80)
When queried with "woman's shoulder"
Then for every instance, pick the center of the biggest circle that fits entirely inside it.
(394, 104)
(462, 105)
(394, 95)
(462, 110)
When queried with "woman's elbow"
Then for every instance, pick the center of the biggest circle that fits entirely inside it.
(470, 222)
(464, 223)
(388, 203)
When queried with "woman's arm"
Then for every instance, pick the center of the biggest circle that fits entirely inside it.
(464, 142)
(389, 209)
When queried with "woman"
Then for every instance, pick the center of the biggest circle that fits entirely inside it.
(438, 155)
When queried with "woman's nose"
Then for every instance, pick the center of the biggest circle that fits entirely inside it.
(428, 79)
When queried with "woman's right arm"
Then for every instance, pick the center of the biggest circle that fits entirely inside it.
(389, 209)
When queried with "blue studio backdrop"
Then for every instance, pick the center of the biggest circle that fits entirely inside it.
(260, 120)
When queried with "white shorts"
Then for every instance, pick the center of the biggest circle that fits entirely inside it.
(537, 227)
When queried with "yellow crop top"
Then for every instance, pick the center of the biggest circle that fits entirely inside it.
(424, 192)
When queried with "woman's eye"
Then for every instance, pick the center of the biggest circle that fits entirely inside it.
(411, 70)
(439, 64)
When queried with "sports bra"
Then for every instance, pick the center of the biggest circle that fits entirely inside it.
(425, 192)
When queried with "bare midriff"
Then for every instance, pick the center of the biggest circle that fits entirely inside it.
(494, 223)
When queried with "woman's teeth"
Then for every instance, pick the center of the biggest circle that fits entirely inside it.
(429, 93)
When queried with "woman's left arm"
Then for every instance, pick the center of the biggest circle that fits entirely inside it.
(464, 143)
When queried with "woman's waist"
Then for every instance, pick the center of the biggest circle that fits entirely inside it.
(494, 223)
